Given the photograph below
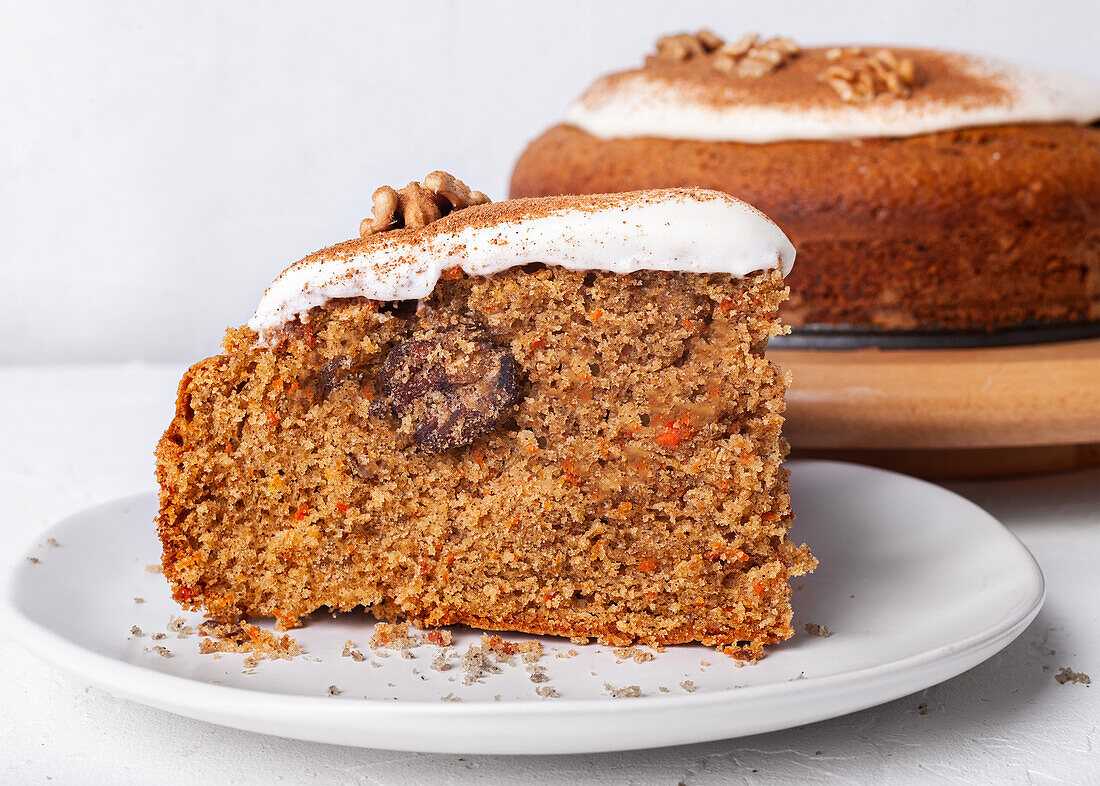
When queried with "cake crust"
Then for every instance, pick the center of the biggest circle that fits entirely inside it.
(972, 229)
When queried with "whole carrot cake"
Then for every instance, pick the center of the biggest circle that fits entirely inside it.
(544, 415)
(924, 190)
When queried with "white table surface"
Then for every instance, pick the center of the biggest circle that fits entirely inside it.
(71, 437)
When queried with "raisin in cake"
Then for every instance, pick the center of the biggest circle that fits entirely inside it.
(544, 415)
(924, 190)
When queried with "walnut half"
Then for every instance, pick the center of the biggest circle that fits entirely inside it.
(418, 204)
(450, 193)
(684, 46)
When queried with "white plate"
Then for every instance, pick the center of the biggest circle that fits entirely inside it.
(916, 583)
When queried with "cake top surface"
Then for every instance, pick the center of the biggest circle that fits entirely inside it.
(767, 91)
(684, 229)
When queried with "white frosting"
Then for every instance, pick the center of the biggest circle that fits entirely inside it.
(637, 105)
(676, 229)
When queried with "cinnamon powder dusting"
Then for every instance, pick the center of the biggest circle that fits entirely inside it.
(390, 245)
(938, 78)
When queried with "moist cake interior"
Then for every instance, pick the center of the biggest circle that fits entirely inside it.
(552, 451)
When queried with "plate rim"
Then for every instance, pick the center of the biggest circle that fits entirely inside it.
(192, 698)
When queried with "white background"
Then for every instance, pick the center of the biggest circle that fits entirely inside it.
(161, 162)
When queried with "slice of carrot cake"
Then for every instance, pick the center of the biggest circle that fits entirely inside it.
(543, 415)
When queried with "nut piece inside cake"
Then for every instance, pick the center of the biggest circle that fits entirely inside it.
(572, 452)
(452, 389)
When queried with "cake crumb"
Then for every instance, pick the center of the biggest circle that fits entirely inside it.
(136, 631)
(627, 692)
(439, 662)
(52, 543)
(922, 708)
(139, 600)
(164, 652)
(33, 560)
(504, 651)
(394, 637)
(703, 663)
(349, 651)
(530, 651)
(662, 689)
(1066, 674)
(400, 636)
(450, 697)
(818, 630)
(496, 698)
(688, 685)
(632, 653)
(179, 626)
(156, 568)
(333, 690)
(476, 663)
(440, 637)
(490, 652)
(158, 636)
(547, 692)
(407, 655)
(568, 654)
(246, 638)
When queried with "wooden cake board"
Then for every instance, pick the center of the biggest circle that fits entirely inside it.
(947, 412)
